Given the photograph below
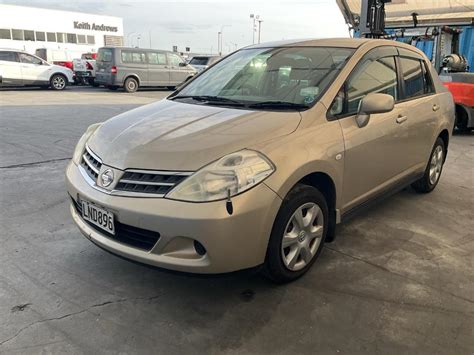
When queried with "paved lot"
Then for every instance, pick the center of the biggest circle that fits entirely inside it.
(399, 278)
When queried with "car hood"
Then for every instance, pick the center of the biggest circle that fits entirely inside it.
(169, 135)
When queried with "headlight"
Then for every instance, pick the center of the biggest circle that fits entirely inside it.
(76, 158)
(228, 176)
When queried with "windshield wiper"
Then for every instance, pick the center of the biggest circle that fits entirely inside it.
(210, 99)
(278, 105)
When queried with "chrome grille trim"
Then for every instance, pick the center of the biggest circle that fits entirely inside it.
(148, 182)
(91, 163)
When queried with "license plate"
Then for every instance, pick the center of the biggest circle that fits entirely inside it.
(98, 216)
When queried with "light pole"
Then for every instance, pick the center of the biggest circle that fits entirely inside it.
(221, 35)
(259, 27)
(138, 40)
(219, 43)
(252, 16)
(128, 37)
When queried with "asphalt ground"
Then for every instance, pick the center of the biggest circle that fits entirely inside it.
(398, 279)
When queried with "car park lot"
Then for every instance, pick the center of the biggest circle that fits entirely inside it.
(398, 278)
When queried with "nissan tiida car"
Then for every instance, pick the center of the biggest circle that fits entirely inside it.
(254, 161)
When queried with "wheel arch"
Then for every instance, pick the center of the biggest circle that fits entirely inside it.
(59, 73)
(134, 76)
(444, 135)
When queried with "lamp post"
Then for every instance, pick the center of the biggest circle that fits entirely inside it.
(220, 36)
(252, 16)
(259, 27)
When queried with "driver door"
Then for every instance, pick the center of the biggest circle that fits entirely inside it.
(375, 155)
(178, 73)
(33, 69)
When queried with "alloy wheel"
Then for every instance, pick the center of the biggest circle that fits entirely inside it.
(303, 235)
(436, 164)
(58, 82)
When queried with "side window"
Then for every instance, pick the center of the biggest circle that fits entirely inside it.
(428, 80)
(26, 58)
(157, 58)
(133, 57)
(8, 56)
(413, 77)
(174, 59)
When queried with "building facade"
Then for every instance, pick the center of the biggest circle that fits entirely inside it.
(30, 29)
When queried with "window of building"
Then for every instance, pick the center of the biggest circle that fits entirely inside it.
(17, 35)
(40, 36)
(413, 77)
(60, 37)
(51, 36)
(29, 35)
(90, 39)
(29, 59)
(8, 56)
(71, 38)
(5, 33)
(133, 57)
(157, 58)
(81, 39)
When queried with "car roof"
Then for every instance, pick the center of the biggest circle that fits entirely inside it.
(139, 49)
(322, 42)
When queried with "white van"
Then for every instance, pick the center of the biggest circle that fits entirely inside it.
(18, 68)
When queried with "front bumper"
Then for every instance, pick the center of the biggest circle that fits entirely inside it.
(232, 242)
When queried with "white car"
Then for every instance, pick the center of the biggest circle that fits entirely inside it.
(18, 68)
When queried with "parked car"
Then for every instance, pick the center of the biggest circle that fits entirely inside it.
(203, 62)
(85, 69)
(461, 86)
(255, 161)
(132, 68)
(18, 68)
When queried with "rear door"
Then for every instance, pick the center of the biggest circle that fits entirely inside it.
(33, 70)
(105, 61)
(10, 69)
(420, 105)
(178, 73)
(158, 71)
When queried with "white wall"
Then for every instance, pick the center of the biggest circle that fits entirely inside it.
(29, 18)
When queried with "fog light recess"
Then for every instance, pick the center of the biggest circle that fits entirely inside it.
(199, 248)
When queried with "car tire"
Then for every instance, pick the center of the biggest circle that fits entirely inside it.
(301, 224)
(58, 82)
(131, 85)
(433, 170)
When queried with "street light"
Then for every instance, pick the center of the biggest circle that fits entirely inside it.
(220, 36)
(259, 27)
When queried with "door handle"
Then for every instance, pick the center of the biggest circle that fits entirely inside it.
(401, 119)
(435, 107)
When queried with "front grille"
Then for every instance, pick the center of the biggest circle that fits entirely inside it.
(91, 164)
(132, 236)
(150, 182)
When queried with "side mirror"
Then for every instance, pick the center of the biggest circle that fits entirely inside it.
(182, 64)
(373, 103)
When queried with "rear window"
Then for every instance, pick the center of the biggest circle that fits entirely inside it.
(199, 61)
(104, 55)
(8, 56)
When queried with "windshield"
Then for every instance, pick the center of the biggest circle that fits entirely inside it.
(291, 76)
(199, 61)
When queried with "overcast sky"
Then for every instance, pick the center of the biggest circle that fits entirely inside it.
(195, 24)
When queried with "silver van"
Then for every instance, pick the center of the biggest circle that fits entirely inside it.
(132, 68)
